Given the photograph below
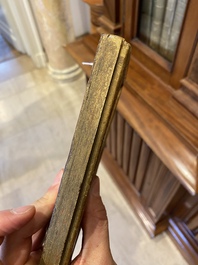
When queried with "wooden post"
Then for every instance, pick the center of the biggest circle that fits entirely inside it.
(97, 111)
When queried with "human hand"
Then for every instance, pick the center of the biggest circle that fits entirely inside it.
(22, 230)
(95, 248)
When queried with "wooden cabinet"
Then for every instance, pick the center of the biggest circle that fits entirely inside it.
(152, 147)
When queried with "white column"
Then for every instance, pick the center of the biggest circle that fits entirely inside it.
(56, 30)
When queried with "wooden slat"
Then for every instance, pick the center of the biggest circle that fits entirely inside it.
(128, 131)
(108, 142)
(134, 156)
(142, 165)
(120, 139)
(153, 168)
(97, 110)
(165, 189)
(113, 133)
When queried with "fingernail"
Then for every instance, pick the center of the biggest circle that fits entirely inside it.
(95, 187)
(22, 210)
(58, 178)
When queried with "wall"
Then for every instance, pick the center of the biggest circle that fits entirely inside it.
(81, 17)
(8, 27)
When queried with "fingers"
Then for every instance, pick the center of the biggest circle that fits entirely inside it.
(21, 224)
(95, 246)
(34, 258)
(18, 245)
(13, 220)
(44, 207)
(95, 218)
(37, 239)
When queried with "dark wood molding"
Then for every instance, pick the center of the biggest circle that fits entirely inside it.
(131, 12)
(187, 42)
(184, 240)
(187, 95)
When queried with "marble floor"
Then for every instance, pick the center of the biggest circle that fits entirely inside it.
(37, 121)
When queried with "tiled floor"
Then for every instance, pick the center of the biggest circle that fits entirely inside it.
(37, 121)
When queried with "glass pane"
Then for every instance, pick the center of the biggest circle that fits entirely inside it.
(160, 24)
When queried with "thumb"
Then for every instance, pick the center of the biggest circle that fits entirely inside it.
(95, 223)
(18, 244)
(95, 245)
(13, 220)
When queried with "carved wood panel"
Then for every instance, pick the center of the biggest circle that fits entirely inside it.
(159, 199)
(152, 181)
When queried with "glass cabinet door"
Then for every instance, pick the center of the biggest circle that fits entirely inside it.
(160, 23)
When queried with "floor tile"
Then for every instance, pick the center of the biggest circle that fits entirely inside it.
(15, 67)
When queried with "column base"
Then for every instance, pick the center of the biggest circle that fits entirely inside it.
(66, 75)
(39, 59)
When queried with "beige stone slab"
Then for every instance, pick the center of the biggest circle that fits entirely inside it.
(15, 67)
(6, 90)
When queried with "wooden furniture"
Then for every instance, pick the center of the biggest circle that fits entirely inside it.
(152, 147)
